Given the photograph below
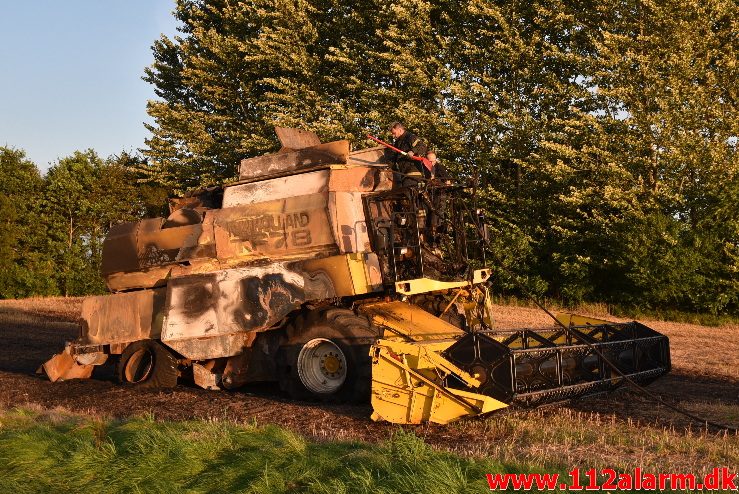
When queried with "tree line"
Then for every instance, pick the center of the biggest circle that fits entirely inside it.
(53, 225)
(602, 135)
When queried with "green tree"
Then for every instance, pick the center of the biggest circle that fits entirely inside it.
(24, 269)
(84, 197)
(666, 72)
(150, 194)
(602, 134)
(240, 69)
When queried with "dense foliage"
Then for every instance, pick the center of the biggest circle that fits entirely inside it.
(53, 226)
(603, 134)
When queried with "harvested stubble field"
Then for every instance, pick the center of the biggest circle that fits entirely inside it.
(623, 430)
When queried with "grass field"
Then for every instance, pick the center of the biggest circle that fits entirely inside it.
(53, 452)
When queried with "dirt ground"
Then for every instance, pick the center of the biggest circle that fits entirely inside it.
(705, 380)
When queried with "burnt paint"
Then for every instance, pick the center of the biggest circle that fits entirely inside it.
(291, 229)
(154, 256)
(263, 166)
(370, 179)
(347, 234)
(318, 286)
(266, 298)
(198, 251)
(199, 298)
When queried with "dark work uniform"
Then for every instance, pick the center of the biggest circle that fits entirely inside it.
(440, 172)
(408, 171)
(437, 215)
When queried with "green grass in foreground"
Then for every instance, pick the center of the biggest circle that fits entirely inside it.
(51, 452)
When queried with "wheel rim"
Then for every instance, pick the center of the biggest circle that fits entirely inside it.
(139, 366)
(322, 366)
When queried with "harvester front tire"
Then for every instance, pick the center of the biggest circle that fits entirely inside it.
(335, 335)
(147, 364)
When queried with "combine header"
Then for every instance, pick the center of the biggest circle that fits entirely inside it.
(317, 271)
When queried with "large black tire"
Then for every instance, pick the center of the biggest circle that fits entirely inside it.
(351, 333)
(147, 364)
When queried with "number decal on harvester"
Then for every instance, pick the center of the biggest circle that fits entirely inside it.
(301, 238)
(280, 231)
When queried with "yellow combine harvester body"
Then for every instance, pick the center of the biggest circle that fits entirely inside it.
(317, 270)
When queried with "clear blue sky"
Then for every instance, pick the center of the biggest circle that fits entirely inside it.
(70, 74)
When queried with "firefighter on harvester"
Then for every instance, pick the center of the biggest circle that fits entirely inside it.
(408, 172)
(437, 197)
(438, 171)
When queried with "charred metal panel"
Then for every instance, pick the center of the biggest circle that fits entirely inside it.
(200, 244)
(348, 221)
(192, 305)
(219, 314)
(155, 249)
(213, 346)
(281, 163)
(147, 278)
(294, 139)
(158, 246)
(275, 228)
(276, 188)
(119, 249)
(231, 301)
(360, 179)
(158, 276)
(122, 317)
(200, 199)
(369, 156)
(145, 254)
(150, 242)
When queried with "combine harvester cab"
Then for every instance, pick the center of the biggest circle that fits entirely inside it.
(316, 271)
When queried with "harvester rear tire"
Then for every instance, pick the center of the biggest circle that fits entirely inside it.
(333, 328)
(147, 364)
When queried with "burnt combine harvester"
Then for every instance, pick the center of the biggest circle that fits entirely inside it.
(314, 271)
